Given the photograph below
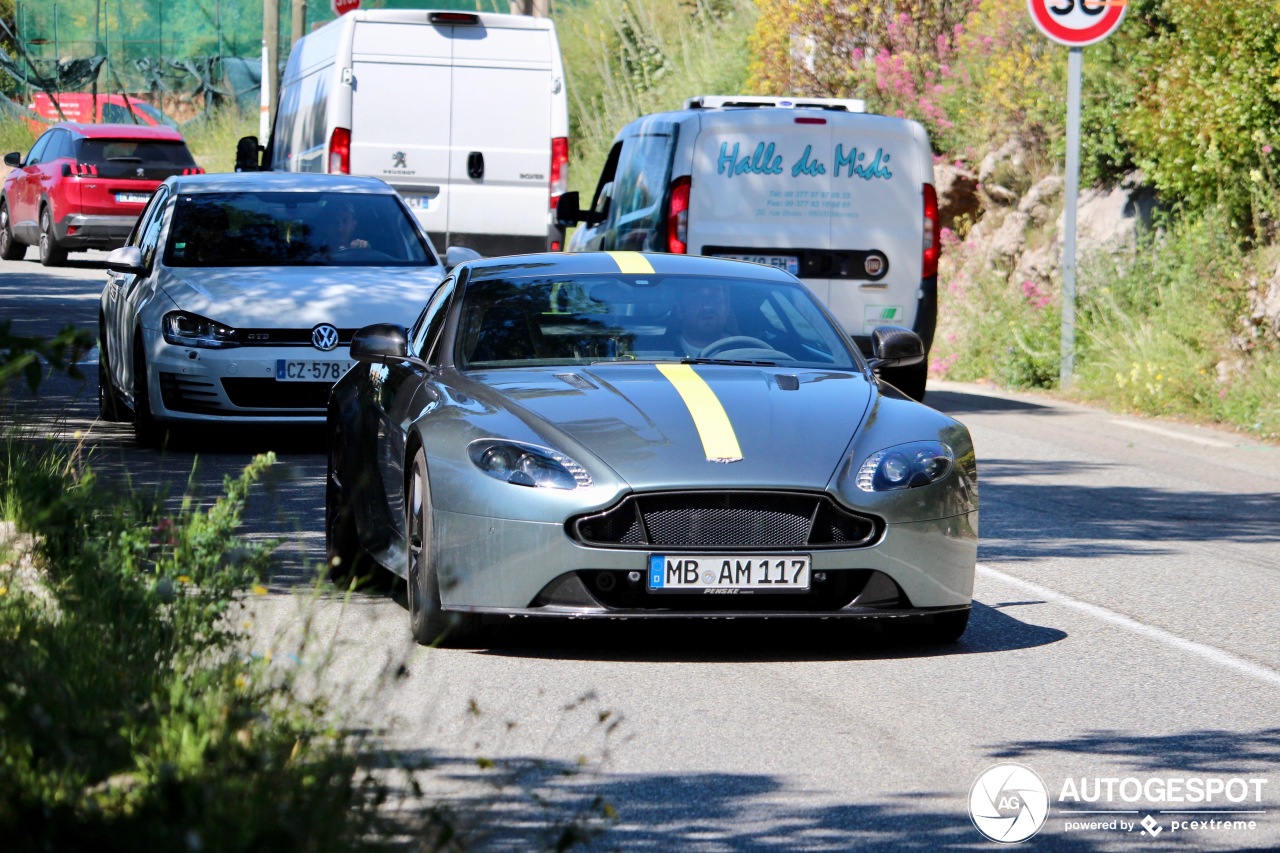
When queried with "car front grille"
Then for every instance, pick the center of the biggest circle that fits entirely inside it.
(740, 520)
(254, 393)
(286, 337)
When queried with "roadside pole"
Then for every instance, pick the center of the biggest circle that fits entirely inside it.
(270, 63)
(1075, 24)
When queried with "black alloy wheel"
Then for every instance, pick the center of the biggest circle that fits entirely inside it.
(10, 248)
(147, 431)
(429, 622)
(51, 254)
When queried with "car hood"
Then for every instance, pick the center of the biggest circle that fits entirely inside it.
(793, 426)
(302, 297)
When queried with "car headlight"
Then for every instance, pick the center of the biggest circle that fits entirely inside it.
(192, 330)
(527, 464)
(905, 466)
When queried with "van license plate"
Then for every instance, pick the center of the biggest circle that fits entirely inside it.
(790, 263)
(416, 202)
(310, 371)
(133, 198)
(704, 572)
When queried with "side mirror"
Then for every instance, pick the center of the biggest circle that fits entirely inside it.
(381, 343)
(248, 154)
(568, 213)
(455, 255)
(894, 346)
(126, 259)
(13, 158)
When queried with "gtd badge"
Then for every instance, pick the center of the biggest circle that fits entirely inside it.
(324, 337)
(1009, 803)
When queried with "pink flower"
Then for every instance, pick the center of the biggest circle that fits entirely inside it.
(1266, 149)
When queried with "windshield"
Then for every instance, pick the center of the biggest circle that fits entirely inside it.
(239, 229)
(586, 319)
(155, 114)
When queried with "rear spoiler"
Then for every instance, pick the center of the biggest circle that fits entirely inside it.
(710, 102)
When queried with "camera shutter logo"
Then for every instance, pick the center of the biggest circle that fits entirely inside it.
(1009, 803)
(324, 337)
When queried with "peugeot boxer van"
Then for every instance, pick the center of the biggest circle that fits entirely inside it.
(465, 114)
(841, 198)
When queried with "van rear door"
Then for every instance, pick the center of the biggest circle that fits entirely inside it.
(500, 149)
(833, 197)
(399, 114)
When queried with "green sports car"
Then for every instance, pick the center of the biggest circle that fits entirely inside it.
(617, 434)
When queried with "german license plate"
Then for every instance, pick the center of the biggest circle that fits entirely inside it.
(133, 198)
(416, 202)
(310, 371)
(790, 263)
(705, 572)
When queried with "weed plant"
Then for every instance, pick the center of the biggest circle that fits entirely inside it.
(129, 720)
(212, 136)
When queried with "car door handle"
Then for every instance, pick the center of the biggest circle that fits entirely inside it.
(475, 165)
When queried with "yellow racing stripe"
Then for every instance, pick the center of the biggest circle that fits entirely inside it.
(632, 263)
(719, 441)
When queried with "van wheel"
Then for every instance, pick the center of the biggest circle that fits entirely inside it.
(909, 380)
(51, 254)
(10, 248)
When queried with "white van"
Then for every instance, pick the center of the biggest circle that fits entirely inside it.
(465, 114)
(842, 199)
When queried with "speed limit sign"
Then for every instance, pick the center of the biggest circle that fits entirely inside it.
(1077, 23)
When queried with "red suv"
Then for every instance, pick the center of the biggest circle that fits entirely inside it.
(82, 186)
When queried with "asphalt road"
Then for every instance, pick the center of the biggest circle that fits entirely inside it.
(1125, 629)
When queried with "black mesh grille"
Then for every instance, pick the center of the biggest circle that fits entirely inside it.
(738, 520)
(285, 337)
(269, 394)
(184, 394)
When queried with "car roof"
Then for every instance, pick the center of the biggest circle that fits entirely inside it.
(121, 131)
(223, 182)
(613, 263)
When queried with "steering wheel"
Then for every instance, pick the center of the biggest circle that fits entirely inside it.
(734, 342)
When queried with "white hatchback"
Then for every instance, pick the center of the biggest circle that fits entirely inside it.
(236, 296)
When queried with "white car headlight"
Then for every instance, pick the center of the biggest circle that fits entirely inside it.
(192, 330)
(905, 466)
(527, 464)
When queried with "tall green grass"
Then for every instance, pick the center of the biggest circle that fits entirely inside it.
(626, 58)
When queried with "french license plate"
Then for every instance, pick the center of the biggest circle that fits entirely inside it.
(310, 371)
(705, 572)
(417, 202)
(133, 198)
(790, 263)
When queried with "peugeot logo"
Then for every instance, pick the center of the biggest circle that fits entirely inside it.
(397, 161)
(141, 173)
(324, 337)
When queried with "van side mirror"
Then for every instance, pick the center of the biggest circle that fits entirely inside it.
(248, 154)
(894, 346)
(568, 213)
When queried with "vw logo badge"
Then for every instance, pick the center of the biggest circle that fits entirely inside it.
(324, 337)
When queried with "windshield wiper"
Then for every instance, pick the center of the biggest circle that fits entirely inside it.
(688, 360)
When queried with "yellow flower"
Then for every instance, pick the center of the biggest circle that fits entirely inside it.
(184, 579)
(259, 589)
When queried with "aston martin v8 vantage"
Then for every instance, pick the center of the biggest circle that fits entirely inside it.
(618, 434)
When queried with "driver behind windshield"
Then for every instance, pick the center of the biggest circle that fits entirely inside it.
(701, 317)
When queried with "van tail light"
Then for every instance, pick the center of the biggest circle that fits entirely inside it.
(932, 239)
(79, 170)
(678, 217)
(340, 152)
(559, 169)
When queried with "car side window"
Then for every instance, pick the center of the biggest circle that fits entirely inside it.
(36, 154)
(638, 191)
(149, 213)
(59, 146)
(432, 322)
(149, 233)
(604, 188)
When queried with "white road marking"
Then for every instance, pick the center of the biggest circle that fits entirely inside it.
(1209, 653)
(1169, 433)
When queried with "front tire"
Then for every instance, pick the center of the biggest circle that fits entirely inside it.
(10, 248)
(51, 254)
(430, 623)
(347, 563)
(147, 431)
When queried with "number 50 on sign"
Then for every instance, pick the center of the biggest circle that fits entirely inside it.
(1077, 23)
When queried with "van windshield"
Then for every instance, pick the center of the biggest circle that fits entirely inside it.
(239, 229)
(140, 159)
